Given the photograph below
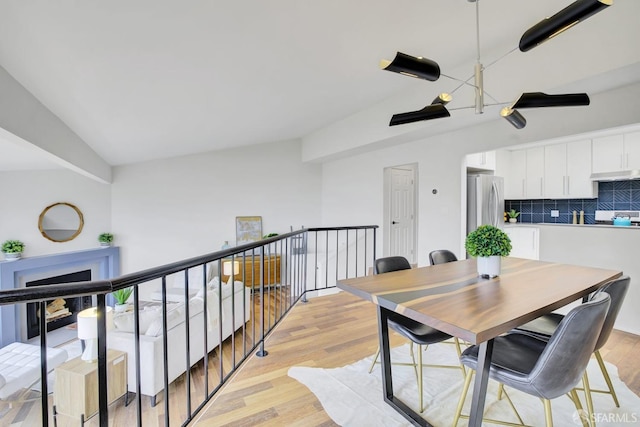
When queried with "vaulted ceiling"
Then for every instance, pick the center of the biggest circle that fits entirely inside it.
(143, 79)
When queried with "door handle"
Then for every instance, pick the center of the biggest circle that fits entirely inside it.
(395, 222)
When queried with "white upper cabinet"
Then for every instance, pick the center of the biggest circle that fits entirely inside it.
(632, 150)
(525, 177)
(535, 173)
(516, 175)
(486, 160)
(616, 153)
(567, 171)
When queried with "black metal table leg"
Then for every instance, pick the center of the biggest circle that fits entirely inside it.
(387, 382)
(480, 385)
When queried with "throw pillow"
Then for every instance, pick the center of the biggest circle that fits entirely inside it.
(175, 316)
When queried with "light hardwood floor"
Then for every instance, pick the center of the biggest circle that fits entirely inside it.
(331, 331)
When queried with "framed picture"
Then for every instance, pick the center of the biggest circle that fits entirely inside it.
(248, 229)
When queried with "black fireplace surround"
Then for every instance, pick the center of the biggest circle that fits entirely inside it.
(74, 305)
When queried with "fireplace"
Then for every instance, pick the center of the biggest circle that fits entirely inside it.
(60, 312)
(103, 263)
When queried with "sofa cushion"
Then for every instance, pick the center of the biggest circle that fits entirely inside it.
(126, 322)
(214, 284)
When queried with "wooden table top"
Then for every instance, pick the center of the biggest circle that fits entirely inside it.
(452, 297)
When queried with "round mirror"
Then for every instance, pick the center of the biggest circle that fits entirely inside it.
(61, 222)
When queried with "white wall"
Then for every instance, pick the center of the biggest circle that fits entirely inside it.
(24, 194)
(352, 190)
(26, 122)
(169, 210)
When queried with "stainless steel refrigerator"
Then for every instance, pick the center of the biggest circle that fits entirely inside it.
(485, 201)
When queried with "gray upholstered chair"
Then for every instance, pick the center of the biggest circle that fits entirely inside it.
(415, 332)
(441, 256)
(544, 326)
(544, 369)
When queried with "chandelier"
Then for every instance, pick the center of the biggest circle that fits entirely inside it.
(427, 69)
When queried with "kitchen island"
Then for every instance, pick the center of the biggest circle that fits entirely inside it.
(603, 246)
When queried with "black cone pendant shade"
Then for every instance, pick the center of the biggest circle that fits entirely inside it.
(421, 68)
(561, 21)
(430, 112)
(539, 99)
(514, 117)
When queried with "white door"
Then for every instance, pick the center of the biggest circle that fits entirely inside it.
(401, 217)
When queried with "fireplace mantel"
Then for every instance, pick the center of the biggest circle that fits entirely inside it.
(104, 262)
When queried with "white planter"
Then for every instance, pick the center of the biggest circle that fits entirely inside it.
(12, 256)
(512, 220)
(120, 308)
(489, 266)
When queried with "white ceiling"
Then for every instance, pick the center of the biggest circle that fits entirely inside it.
(145, 79)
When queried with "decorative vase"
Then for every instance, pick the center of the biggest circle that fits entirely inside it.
(489, 267)
(105, 244)
(120, 308)
(12, 256)
(513, 220)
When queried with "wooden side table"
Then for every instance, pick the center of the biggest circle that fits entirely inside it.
(76, 387)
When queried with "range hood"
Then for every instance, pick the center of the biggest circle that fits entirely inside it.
(616, 176)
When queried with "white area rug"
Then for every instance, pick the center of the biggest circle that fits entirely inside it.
(353, 397)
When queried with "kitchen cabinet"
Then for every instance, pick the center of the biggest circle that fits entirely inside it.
(534, 188)
(485, 160)
(516, 175)
(525, 179)
(616, 152)
(567, 171)
(525, 241)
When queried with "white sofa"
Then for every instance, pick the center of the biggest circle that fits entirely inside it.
(151, 349)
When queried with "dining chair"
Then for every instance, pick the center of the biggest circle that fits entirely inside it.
(544, 326)
(415, 332)
(441, 256)
(545, 369)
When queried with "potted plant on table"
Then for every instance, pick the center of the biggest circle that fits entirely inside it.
(105, 239)
(12, 249)
(121, 296)
(489, 244)
(513, 215)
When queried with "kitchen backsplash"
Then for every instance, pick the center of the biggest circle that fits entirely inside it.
(612, 195)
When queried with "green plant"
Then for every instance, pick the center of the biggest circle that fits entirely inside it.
(513, 214)
(266, 236)
(122, 295)
(105, 238)
(487, 240)
(12, 246)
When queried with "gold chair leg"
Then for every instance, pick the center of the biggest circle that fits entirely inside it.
(547, 412)
(375, 359)
(459, 351)
(576, 401)
(513, 407)
(463, 396)
(607, 379)
(413, 360)
(587, 395)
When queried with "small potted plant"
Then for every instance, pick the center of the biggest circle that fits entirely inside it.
(105, 239)
(122, 296)
(513, 215)
(12, 249)
(489, 244)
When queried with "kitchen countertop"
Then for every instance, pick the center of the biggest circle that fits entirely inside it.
(527, 224)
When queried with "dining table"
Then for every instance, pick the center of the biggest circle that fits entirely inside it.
(454, 299)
